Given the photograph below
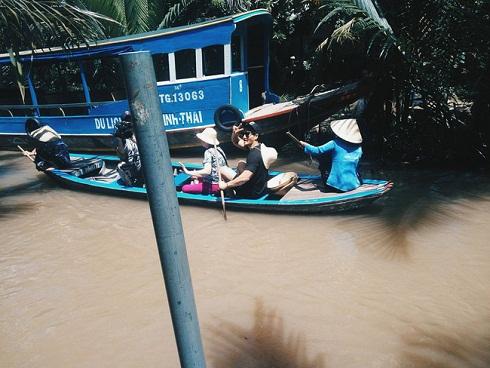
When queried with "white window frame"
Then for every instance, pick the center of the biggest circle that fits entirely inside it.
(199, 71)
(227, 53)
(171, 67)
(199, 67)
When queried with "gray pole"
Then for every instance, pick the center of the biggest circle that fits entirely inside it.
(155, 158)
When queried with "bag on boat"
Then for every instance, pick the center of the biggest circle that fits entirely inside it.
(280, 184)
(52, 154)
(269, 155)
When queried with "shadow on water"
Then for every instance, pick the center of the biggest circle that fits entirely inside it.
(265, 345)
(418, 194)
(10, 156)
(23, 188)
(419, 198)
(9, 163)
(20, 209)
(425, 347)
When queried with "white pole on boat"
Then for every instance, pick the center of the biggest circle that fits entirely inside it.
(157, 168)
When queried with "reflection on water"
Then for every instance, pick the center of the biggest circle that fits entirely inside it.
(402, 283)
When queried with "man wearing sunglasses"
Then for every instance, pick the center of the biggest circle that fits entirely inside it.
(250, 180)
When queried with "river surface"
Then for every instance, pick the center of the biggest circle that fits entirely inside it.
(402, 283)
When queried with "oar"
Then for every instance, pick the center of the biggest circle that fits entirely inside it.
(294, 139)
(27, 154)
(221, 191)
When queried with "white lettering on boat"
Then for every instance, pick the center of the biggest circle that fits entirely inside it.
(106, 123)
(182, 118)
(181, 96)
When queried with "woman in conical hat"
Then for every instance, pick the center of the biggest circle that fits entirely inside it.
(214, 159)
(345, 150)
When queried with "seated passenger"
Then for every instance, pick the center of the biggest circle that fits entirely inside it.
(214, 159)
(129, 168)
(345, 150)
(49, 148)
(250, 181)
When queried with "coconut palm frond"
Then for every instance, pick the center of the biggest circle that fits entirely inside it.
(236, 6)
(17, 68)
(335, 14)
(323, 45)
(374, 12)
(137, 15)
(110, 8)
(37, 23)
(389, 44)
(344, 33)
(377, 42)
(174, 13)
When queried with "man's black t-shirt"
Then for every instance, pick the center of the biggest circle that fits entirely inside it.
(257, 185)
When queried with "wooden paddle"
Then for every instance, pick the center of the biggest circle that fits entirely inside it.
(294, 139)
(27, 154)
(221, 191)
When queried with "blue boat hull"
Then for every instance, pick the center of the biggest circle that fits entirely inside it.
(325, 203)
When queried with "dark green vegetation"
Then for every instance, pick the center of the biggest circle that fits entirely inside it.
(426, 62)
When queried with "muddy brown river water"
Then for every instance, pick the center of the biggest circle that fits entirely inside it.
(402, 283)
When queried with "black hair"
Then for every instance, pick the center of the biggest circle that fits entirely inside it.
(126, 116)
(31, 125)
(253, 127)
(124, 128)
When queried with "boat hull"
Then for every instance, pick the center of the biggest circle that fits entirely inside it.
(294, 201)
(93, 133)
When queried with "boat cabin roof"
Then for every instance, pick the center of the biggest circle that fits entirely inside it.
(213, 32)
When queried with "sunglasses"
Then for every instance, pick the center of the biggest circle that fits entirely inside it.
(245, 133)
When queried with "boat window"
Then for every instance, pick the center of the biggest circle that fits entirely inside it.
(58, 83)
(185, 64)
(10, 92)
(236, 54)
(162, 72)
(105, 79)
(213, 60)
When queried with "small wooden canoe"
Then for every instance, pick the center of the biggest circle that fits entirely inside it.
(304, 197)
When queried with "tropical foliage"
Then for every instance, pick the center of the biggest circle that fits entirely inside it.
(430, 62)
(26, 24)
(32, 24)
(135, 16)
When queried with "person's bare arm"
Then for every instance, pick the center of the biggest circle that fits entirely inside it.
(239, 180)
(205, 171)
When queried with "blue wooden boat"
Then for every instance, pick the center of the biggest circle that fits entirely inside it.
(209, 73)
(90, 175)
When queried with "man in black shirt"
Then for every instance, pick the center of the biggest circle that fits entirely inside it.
(251, 179)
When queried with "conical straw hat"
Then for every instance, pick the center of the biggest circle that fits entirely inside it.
(347, 129)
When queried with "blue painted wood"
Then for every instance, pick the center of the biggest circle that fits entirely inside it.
(186, 104)
(338, 202)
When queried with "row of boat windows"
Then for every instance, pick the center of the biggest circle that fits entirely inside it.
(61, 82)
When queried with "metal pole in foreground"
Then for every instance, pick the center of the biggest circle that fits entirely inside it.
(153, 146)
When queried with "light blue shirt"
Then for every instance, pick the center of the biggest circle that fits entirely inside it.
(345, 158)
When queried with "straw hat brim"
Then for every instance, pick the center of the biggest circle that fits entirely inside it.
(207, 139)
